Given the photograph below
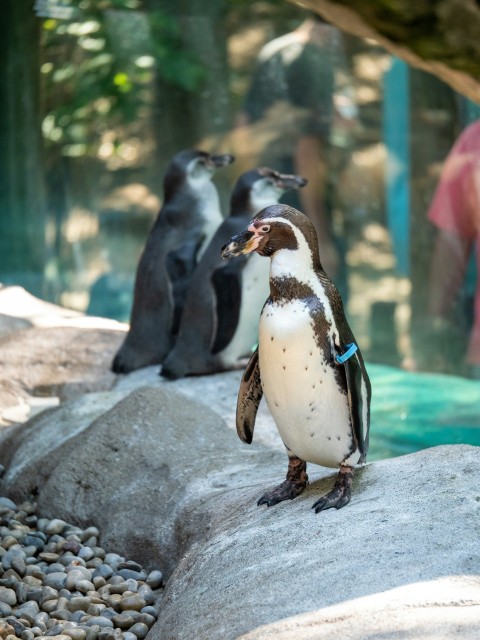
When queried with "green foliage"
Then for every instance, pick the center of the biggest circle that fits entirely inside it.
(99, 69)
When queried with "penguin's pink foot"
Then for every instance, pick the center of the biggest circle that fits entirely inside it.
(297, 480)
(341, 493)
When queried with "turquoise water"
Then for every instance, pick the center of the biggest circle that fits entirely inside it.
(413, 411)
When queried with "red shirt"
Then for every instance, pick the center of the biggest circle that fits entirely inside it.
(456, 207)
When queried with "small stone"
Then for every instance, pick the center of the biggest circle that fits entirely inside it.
(151, 611)
(114, 600)
(27, 635)
(60, 614)
(21, 590)
(17, 625)
(76, 575)
(8, 596)
(35, 580)
(31, 608)
(19, 565)
(79, 603)
(55, 580)
(130, 573)
(100, 621)
(48, 556)
(9, 504)
(132, 585)
(134, 603)
(76, 633)
(95, 609)
(49, 606)
(77, 616)
(5, 610)
(72, 545)
(113, 559)
(129, 636)
(92, 632)
(56, 567)
(84, 586)
(154, 579)
(103, 571)
(8, 541)
(89, 532)
(109, 613)
(119, 588)
(86, 553)
(147, 619)
(124, 620)
(93, 563)
(106, 634)
(139, 629)
(49, 594)
(147, 594)
(99, 582)
(55, 526)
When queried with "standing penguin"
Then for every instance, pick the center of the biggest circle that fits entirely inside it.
(307, 363)
(219, 323)
(187, 220)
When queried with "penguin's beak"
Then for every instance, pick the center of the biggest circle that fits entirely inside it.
(245, 242)
(221, 160)
(286, 181)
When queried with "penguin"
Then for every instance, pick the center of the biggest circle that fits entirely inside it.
(219, 324)
(189, 216)
(307, 364)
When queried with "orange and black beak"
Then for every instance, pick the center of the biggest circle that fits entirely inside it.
(244, 242)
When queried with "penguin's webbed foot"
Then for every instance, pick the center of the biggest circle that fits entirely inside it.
(341, 493)
(288, 490)
(297, 480)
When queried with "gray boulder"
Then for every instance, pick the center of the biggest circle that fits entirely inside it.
(142, 469)
(284, 571)
(168, 484)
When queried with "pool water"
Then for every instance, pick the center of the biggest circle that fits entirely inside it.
(413, 411)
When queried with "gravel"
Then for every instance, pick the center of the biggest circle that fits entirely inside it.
(57, 583)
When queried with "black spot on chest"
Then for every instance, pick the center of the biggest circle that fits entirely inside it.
(287, 289)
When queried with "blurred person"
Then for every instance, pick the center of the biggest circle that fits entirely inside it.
(300, 100)
(455, 212)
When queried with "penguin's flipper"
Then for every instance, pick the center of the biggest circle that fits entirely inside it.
(227, 285)
(180, 265)
(249, 396)
(358, 400)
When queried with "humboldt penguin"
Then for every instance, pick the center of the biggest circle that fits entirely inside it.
(219, 324)
(189, 216)
(308, 364)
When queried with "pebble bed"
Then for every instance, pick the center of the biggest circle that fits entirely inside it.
(57, 582)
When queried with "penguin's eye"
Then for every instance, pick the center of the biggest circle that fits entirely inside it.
(265, 228)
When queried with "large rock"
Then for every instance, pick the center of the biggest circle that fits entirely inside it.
(138, 468)
(50, 354)
(412, 520)
(438, 36)
(169, 484)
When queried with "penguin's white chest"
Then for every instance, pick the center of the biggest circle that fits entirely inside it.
(254, 293)
(299, 383)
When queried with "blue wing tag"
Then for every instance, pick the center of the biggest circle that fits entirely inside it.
(351, 349)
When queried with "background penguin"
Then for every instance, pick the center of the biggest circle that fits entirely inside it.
(219, 325)
(307, 363)
(189, 216)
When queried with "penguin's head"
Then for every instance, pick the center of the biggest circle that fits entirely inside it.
(194, 167)
(257, 188)
(278, 227)
(268, 186)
